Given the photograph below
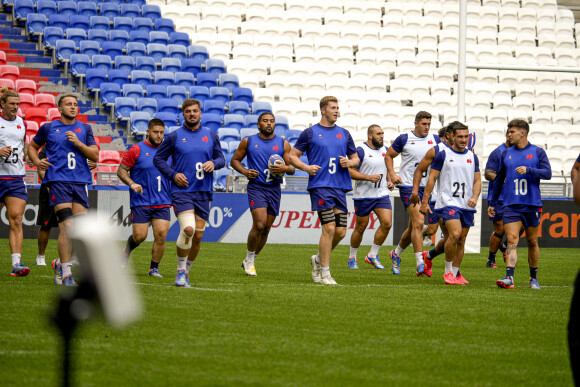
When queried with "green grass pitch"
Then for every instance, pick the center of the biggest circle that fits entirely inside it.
(281, 329)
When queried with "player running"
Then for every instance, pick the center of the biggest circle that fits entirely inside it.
(264, 191)
(327, 146)
(521, 167)
(69, 143)
(12, 171)
(150, 195)
(371, 194)
(196, 153)
(412, 147)
(456, 170)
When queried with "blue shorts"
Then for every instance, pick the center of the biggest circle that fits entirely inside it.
(66, 192)
(144, 214)
(363, 207)
(405, 193)
(199, 202)
(265, 196)
(528, 218)
(448, 213)
(322, 198)
(433, 216)
(14, 188)
(499, 211)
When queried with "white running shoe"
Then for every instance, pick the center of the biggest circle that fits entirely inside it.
(40, 261)
(427, 241)
(316, 276)
(249, 268)
(328, 281)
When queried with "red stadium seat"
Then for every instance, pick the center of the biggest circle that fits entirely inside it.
(25, 86)
(26, 101)
(36, 114)
(9, 83)
(45, 101)
(2, 58)
(53, 114)
(9, 72)
(109, 157)
(31, 128)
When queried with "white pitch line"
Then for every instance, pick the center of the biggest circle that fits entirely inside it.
(193, 287)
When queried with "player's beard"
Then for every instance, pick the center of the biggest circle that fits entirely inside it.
(376, 143)
(192, 124)
(265, 132)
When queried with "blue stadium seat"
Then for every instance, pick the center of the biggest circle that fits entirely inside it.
(246, 132)
(123, 23)
(157, 51)
(228, 134)
(148, 105)
(163, 78)
(167, 105)
(100, 23)
(46, 7)
(251, 121)
(79, 21)
(22, 8)
(292, 135)
(87, 8)
(57, 20)
(171, 64)
(261, 107)
(212, 121)
(79, 63)
(135, 49)
(201, 93)
(239, 107)
(141, 77)
(130, 10)
(156, 91)
(123, 107)
(178, 93)
(169, 119)
(243, 94)
(192, 66)
(219, 93)
(112, 49)
(234, 121)
(224, 146)
(64, 48)
(184, 79)
(177, 51)
(143, 24)
(160, 37)
(67, 8)
(181, 38)
(214, 106)
(110, 10)
(119, 76)
(124, 62)
(131, 90)
(162, 24)
(99, 36)
(230, 81)
(151, 11)
(280, 132)
(94, 79)
(198, 52)
(220, 179)
(233, 146)
(35, 24)
(215, 66)
(102, 62)
(110, 91)
(206, 79)
(282, 123)
(138, 2)
(145, 63)
(139, 36)
(171, 129)
(89, 47)
(76, 35)
(139, 122)
(119, 36)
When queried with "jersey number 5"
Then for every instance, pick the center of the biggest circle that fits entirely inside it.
(12, 157)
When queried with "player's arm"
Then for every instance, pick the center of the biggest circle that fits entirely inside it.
(433, 176)
(27, 159)
(125, 167)
(237, 158)
(90, 150)
(544, 170)
(498, 187)
(218, 160)
(166, 149)
(357, 175)
(35, 144)
(286, 168)
(418, 174)
(393, 177)
(472, 202)
(298, 150)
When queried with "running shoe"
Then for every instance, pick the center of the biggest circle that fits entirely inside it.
(460, 279)
(155, 273)
(57, 272)
(427, 241)
(450, 279)
(420, 269)
(506, 283)
(352, 264)
(40, 261)
(428, 264)
(181, 279)
(69, 281)
(375, 262)
(187, 285)
(316, 276)
(19, 270)
(328, 281)
(249, 268)
(396, 266)
(534, 284)
(491, 264)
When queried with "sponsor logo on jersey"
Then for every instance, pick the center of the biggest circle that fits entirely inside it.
(204, 139)
(320, 136)
(184, 140)
(58, 130)
(256, 146)
(147, 154)
(450, 160)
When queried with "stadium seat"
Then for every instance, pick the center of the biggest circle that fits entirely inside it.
(123, 107)
(119, 76)
(261, 107)
(186, 80)
(110, 91)
(139, 37)
(25, 86)
(87, 8)
(132, 91)
(212, 121)
(170, 64)
(220, 179)
(110, 10)
(46, 7)
(163, 78)
(156, 91)
(207, 79)
(124, 62)
(36, 114)
(198, 52)
(282, 123)
(151, 11)
(251, 121)
(135, 49)
(170, 119)
(64, 48)
(67, 8)
(130, 10)
(246, 132)
(177, 51)
(31, 128)
(157, 51)
(219, 93)
(35, 24)
(44, 101)
(89, 48)
(143, 24)
(167, 105)
(292, 135)
(53, 114)
(148, 105)
(228, 134)
(191, 65)
(75, 34)
(99, 36)
(201, 93)
(162, 24)
(58, 20)
(215, 66)
(122, 23)
(79, 64)
(242, 94)
(94, 78)
(178, 93)
(79, 21)
(141, 77)
(26, 101)
(51, 35)
(238, 107)
(145, 63)
(234, 121)
(214, 106)
(109, 157)
(139, 122)
(159, 37)
(180, 38)
(230, 81)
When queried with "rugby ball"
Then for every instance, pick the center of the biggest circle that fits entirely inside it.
(275, 159)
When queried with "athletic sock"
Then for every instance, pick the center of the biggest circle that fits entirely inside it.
(66, 269)
(181, 263)
(491, 257)
(325, 271)
(419, 258)
(455, 270)
(250, 256)
(188, 265)
(503, 246)
(130, 245)
(432, 254)
(15, 259)
(374, 251)
(40, 256)
(154, 265)
(448, 266)
(317, 259)
(534, 272)
(509, 271)
(353, 251)
(399, 251)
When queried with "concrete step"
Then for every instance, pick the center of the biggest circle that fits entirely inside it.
(10, 31)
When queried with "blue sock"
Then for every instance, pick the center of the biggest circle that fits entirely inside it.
(509, 271)
(534, 273)
(432, 254)
(491, 257)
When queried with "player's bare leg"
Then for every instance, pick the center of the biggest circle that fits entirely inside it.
(42, 240)
(257, 237)
(435, 251)
(459, 256)
(14, 211)
(512, 231)
(196, 241)
(495, 242)
(451, 246)
(428, 232)
(360, 226)
(160, 228)
(533, 255)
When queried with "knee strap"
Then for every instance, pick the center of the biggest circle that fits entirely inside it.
(326, 216)
(64, 214)
(200, 228)
(185, 220)
(498, 236)
(341, 219)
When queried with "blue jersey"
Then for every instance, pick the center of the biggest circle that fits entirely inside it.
(190, 149)
(156, 188)
(68, 162)
(522, 190)
(493, 165)
(258, 151)
(323, 146)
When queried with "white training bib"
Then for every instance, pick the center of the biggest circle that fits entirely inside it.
(412, 154)
(12, 135)
(372, 163)
(456, 179)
